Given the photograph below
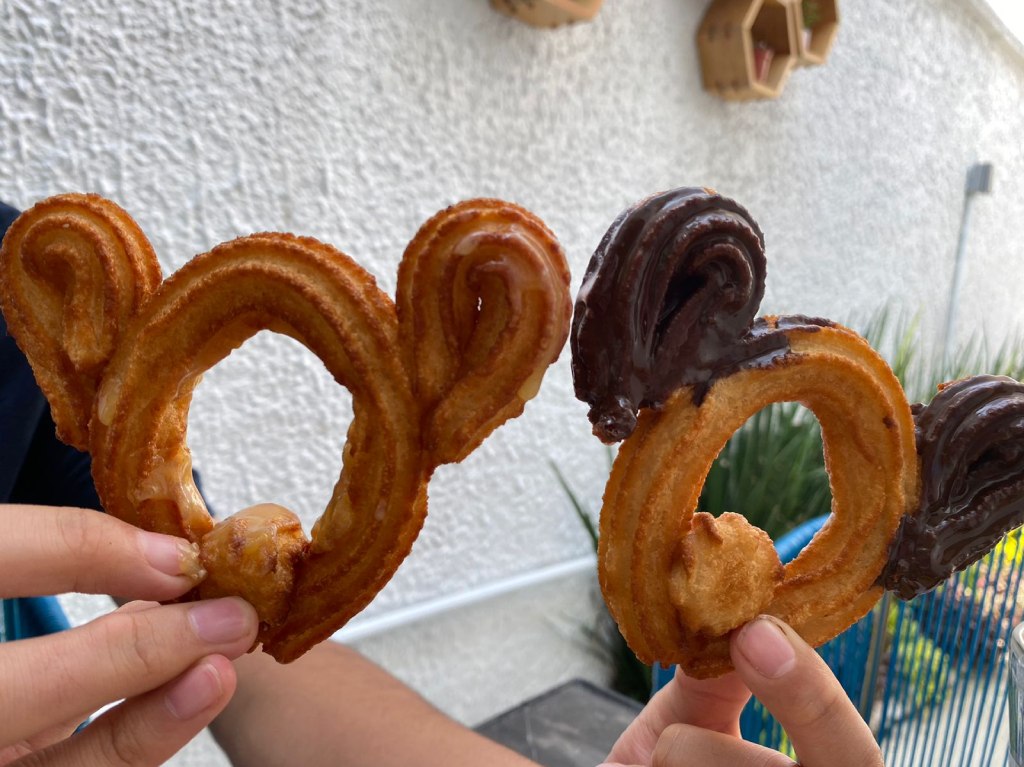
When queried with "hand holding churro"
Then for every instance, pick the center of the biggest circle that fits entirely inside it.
(482, 310)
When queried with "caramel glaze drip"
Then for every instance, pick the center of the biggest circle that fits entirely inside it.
(970, 440)
(668, 300)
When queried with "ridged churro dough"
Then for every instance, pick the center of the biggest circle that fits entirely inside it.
(482, 310)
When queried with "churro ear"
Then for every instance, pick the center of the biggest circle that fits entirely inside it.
(73, 270)
(668, 300)
(970, 439)
(483, 309)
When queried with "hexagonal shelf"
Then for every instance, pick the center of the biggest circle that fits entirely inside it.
(817, 25)
(548, 13)
(747, 48)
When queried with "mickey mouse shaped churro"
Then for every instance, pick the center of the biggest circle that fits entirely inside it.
(669, 355)
(482, 309)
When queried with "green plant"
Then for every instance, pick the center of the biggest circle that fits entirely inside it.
(921, 368)
(772, 471)
(630, 676)
(811, 13)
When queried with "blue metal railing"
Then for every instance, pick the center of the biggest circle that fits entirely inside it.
(930, 674)
(847, 654)
(950, 709)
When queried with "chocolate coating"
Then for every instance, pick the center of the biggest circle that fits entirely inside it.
(970, 440)
(668, 300)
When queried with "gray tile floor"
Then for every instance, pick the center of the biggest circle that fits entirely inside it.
(573, 725)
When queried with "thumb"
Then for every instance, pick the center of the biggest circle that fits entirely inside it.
(796, 685)
(711, 704)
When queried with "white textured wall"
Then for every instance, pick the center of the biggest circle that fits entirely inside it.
(355, 121)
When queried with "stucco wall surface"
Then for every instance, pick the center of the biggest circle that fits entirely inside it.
(354, 121)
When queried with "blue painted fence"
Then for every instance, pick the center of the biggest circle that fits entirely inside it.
(928, 675)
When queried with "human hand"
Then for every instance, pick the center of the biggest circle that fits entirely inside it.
(170, 663)
(694, 722)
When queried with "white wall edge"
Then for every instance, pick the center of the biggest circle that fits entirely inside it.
(995, 18)
(362, 628)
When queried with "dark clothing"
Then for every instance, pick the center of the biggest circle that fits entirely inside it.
(35, 466)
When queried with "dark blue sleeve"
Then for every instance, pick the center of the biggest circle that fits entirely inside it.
(7, 216)
(21, 408)
(55, 474)
(35, 466)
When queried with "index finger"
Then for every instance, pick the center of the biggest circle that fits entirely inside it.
(796, 685)
(48, 550)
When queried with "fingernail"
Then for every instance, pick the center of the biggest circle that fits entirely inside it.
(172, 556)
(222, 620)
(766, 648)
(195, 692)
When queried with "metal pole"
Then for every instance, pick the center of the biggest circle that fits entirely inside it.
(879, 632)
(979, 181)
(954, 286)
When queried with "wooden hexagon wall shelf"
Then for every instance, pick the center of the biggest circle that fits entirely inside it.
(748, 48)
(548, 13)
(817, 26)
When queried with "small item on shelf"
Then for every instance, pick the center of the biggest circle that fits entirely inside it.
(818, 23)
(763, 55)
(812, 13)
(548, 13)
(748, 48)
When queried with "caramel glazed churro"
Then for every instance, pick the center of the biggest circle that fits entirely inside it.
(482, 310)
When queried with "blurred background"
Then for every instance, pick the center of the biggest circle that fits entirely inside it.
(353, 122)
